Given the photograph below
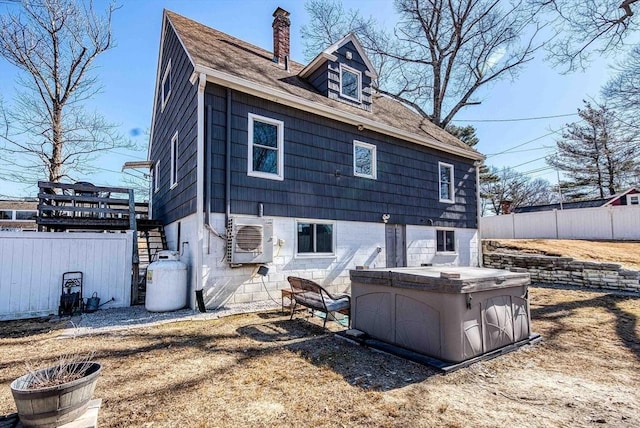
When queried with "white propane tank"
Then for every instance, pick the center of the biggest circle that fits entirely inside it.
(166, 283)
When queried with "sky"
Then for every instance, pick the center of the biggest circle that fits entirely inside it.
(128, 76)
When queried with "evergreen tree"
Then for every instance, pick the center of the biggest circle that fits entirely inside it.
(466, 134)
(598, 154)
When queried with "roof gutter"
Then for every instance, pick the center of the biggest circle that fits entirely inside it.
(313, 65)
(275, 95)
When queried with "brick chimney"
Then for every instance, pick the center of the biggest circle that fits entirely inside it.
(506, 206)
(281, 26)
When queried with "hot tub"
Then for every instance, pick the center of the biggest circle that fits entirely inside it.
(452, 314)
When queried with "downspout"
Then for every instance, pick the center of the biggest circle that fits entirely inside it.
(207, 170)
(207, 184)
(209, 164)
(227, 180)
(479, 213)
(202, 82)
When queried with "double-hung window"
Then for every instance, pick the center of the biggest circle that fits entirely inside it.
(364, 160)
(166, 84)
(446, 241)
(634, 199)
(315, 238)
(174, 160)
(350, 83)
(445, 182)
(156, 176)
(266, 148)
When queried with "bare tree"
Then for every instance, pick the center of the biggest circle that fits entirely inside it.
(599, 154)
(586, 27)
(623, 89)
(441, 51)
(514, 189)
(47, 132)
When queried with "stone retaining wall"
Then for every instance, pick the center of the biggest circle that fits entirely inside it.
(563, 270)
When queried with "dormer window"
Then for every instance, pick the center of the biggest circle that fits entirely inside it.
(350, 83)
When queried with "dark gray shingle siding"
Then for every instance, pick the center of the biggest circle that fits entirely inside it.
(179, 114)
(319, 79)
(315, 149)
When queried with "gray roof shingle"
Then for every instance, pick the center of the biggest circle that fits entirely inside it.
(212, 49)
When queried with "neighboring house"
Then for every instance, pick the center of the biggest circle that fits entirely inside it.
(630, 196)
(19, 214)
(259, 160)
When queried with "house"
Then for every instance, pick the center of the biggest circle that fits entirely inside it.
(630, 196)
(18, 214)
(261, 161)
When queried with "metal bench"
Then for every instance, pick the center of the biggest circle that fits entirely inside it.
(307, 293)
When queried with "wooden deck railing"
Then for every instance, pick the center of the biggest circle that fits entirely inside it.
(85, 206)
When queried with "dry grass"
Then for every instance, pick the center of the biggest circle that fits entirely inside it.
(263, 370)
(624, 253)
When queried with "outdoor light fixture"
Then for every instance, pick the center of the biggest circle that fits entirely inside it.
(385, 218)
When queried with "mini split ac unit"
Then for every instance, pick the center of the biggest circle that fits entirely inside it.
(249, 240)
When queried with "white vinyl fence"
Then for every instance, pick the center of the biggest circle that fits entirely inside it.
(612, 223)
(32, 264)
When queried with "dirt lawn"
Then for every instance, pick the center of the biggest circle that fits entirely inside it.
(264, 370)
(627, 254)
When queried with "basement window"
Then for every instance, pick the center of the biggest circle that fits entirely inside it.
(446, 241)
(315, 238)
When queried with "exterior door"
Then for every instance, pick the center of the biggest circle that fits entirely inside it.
(395, 241)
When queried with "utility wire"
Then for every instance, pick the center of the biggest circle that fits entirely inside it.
(523, 150)
(520, 119)
(522, 144)
(530, 161)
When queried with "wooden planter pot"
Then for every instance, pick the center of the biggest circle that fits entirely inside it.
(55, 405)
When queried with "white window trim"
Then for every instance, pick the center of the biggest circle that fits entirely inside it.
(165, 97)
(374, 159)
(332, 255)
(280, 125)
(455, 241)
(359, 76)
(14, 215)
(156, 180)
(633, 198)
(451, 186)
(174, 161)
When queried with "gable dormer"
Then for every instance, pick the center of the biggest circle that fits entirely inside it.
(343, 72)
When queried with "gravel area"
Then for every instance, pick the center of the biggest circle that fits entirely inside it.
(105, 320)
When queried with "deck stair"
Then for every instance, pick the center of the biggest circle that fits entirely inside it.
(84, 207)
(151, 239)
